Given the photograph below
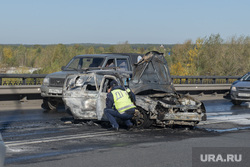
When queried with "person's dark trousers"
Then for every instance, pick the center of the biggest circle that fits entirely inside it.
(126, 116)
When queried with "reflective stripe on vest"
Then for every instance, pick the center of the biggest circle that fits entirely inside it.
(122, 100)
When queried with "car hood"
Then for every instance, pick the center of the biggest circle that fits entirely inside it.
(242, 84)
(151, 74)
(61, 74)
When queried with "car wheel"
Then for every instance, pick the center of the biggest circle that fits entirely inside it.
(49, 104)
(52, 104)
(141, 119)
(45, 104)
(69, 111)
(236, 102)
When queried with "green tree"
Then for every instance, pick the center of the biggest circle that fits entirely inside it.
(7, 56)
(91, 50)
(122, 48)
(212, 52)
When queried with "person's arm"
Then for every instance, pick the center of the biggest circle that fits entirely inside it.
(131, 95)
(109, 100)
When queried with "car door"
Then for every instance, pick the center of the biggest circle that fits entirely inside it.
(101, 98)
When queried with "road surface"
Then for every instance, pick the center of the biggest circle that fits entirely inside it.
(35, 137)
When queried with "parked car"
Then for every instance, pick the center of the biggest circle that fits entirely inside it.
(240, 90)
(157, 102)
(2, 151)
(51, 89)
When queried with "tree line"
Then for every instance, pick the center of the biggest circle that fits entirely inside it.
(206, 56)
(212, 56)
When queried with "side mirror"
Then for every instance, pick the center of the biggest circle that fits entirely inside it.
(63, 67)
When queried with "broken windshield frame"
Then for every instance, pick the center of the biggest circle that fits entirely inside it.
(80, 63)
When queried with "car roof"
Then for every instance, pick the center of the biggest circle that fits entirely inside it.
(133, 56)
(108, 55)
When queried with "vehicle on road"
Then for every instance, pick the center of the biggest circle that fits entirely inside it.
(157, 101)
(51, 89)
(240, 90)
(2, 151)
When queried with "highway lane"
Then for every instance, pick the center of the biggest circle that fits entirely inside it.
(34, 136)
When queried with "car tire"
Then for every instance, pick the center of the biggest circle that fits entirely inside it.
(52, 104)
(141, 119)
(236, 102)
(45, 104)
(49, 104)
(69, 111)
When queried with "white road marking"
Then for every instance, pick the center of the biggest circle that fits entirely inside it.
(213, 118)
(58, 138)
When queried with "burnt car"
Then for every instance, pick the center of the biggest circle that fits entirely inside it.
(156, 99)
(240, 90)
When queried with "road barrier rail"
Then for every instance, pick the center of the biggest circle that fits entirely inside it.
(23, 85)
(204, 79)
(36, 79)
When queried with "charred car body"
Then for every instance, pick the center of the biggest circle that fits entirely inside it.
(156, 99)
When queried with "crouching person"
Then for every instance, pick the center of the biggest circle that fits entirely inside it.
(120, 104)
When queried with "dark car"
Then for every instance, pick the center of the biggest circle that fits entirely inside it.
(51, 89)
(240, 90)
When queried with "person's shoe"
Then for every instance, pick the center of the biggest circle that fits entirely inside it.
(113, 129)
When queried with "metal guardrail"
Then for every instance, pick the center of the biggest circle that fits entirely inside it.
(204, 79)
(35, 89)
(36, 79)
(21, 79)
(21, 86)
(20, 89)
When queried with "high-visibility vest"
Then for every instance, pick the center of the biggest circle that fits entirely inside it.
(122, 100)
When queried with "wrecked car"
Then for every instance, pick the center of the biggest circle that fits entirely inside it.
(157, 101)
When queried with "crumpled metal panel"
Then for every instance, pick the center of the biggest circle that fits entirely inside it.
(151, 73)
(83, 96)
(155, 93)
(81, 104)
(80, 100)
(179, 109)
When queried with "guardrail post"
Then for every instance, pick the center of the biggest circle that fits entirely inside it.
(24, 81)
(214, 80)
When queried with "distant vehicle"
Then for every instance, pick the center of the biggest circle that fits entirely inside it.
(240, 90)
(51, 89)
(2, 151)
(157, 102)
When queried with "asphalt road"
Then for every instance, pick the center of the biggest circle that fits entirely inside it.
(34, 137)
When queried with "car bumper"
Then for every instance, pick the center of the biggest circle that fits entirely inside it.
(47, 91)
(240, 97)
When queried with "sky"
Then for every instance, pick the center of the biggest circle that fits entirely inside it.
(118, 21)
